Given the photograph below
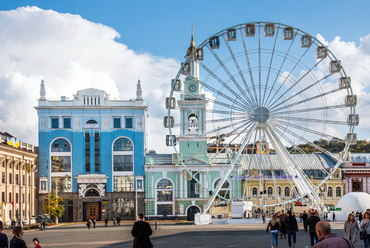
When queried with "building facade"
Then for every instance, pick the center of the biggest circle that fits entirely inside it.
(92, 152)
(18, 162)
(356, 171)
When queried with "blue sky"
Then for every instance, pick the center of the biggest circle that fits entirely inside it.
(116, 42)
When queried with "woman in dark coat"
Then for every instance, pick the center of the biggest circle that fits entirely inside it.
(141, 232)
(282, 219)
(17, 241)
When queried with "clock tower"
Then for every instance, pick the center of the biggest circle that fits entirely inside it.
(192, 141)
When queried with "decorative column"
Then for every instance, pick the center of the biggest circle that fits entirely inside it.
(364, 184)
(347, 186)
(367, 190)
(350, 185)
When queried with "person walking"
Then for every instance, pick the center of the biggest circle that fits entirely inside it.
(304, 217)
(88, 224)
(292, 228)
(365, 225)
(334, 217)
(274, 226)
(141, 232)
(3, 237)
(17, 241)
(118, 221)
(328, 239)
(311, 224)
(360, 217)
(94, 222)
(264, 218)
(351, 228)
(106, 222)
(114, 221)
(44, 225)
(282, 219)
(36, 243)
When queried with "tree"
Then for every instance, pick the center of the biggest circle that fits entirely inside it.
(56, 208)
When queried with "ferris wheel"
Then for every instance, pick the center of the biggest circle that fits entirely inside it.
(259, 98)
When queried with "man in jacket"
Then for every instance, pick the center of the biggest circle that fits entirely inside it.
(141, 232)
(311, 224)
(304, 218)
(292, 228)
(328, 239)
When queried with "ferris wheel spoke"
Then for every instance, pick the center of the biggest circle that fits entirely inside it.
(288, 76)
(272, 57)
(305, 100)
(250, 97)
(309, 110)
(320, 134)
(310, 120)
(223, 84)
(249, 64)
(247, 101)
(297, 82)
(217, 111)
(259, 64)
(281, 66)
(218, 120)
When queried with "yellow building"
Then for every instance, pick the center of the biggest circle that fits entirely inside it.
(18, 191)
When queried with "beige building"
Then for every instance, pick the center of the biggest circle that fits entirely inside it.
(18, 162)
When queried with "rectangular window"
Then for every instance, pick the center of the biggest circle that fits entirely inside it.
(54, 122)
(61, 164)
(67, 122)
(16, 198)
(43, 185)
(16, 179)
(23, 180)
(10, 178)
(3, 197)
(123, 183)
(128, 122)
(164, 209)
(97, 152)
(116, 122)
(61, 184)
(164, 195)
(10, 197)
(3, 177)
(87, 152)
(123, 162)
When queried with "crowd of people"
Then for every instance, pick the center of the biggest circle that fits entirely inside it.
(319, 229)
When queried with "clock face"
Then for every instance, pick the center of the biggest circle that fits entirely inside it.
(192, 88)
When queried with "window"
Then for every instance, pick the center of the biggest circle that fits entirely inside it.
(123, 144)
(67, 122)
(3, 197)
(128, 122)
(16, 179)
(123, 162)
(339, 192)
(16, 197)
(60, 145)
(91, 122)
(164, 209)
(10, 178)
(3, 177)
(123, 183)
(87, 152)
(330, 192)
(287, 191)
(164, 191)
(54, 122)
(116, 122)
(60, 163)
(269, 191)
(10, 197)
(124, 207)
(254, 191)
(97, 151)
(61, 184)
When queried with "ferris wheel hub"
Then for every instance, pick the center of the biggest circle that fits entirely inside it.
(261, 114)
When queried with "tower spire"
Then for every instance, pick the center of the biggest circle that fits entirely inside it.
(42, 91)
(139, 92)
(192, 44)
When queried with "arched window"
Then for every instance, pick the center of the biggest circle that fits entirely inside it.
(287, 191)
(164, 190)
(91, 122)
(254, 191)
(338, 191)
(92, 193)
(193, 124)
(123, 155)
(330, 192)
(225, 189)
(61, 156)
(269, 191)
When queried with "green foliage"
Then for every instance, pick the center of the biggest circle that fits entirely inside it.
(335, 146)
(56, 208)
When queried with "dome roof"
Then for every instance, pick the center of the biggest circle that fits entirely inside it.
(354, 201)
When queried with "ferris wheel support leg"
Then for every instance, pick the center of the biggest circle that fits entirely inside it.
(292, 168)
(231, 166)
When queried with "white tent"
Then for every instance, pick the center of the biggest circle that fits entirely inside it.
(354, 201)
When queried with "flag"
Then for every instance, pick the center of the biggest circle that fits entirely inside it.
(263, 149)
(12, 203)
(47, 167)
(28, 168)
(4, 203)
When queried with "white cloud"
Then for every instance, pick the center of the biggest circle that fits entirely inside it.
(70, 54)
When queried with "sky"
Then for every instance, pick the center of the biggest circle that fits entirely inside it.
(109, 45)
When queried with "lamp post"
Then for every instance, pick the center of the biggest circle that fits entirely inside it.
(21, 193)
(135, 183)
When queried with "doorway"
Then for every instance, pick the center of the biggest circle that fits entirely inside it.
(191, 213)
(93, 211)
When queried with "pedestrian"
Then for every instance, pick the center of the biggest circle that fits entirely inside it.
(304, 217)
(274, 226)
(36, 242)
(351, 228)
(282, 219)
(311, 224)
(3, 237)
(141, 232)
(326, 216)
(334, 217)
(156, 224)
(118, 221)
(94, 222)
(245, 214)
(114, 221)
(44, 225)
(292, 228)
(360, 217)
(365, 225)
(264, 218)
(13, 223)
(328, 239)
(88, 224)
(106, 222)
(17, 241)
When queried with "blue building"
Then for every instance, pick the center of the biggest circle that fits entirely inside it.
(91, 153)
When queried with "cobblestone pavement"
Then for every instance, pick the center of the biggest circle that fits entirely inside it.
(169, 235)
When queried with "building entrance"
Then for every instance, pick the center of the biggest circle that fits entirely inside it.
(93, 211)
